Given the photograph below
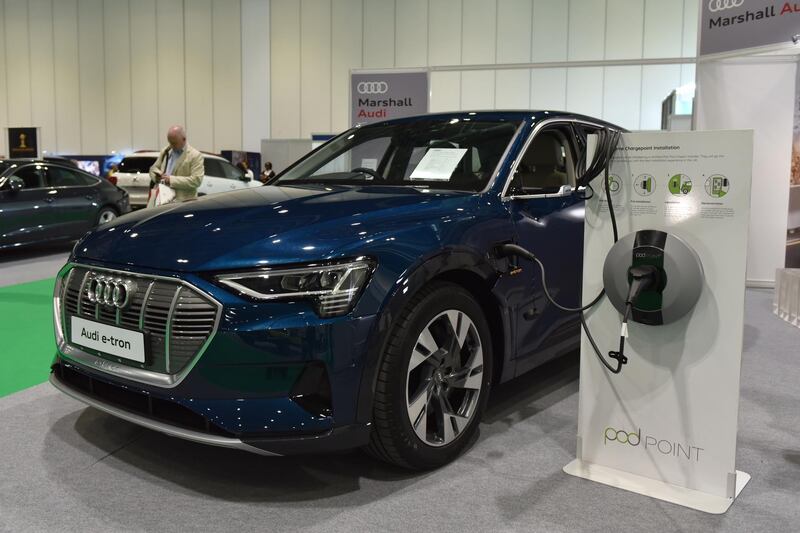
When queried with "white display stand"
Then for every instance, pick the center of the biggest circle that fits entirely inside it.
(666, 426)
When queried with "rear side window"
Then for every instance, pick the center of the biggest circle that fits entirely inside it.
(213, 168)
(62, 177)
(136, 164)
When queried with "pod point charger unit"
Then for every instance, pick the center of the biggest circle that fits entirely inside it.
(664, 271)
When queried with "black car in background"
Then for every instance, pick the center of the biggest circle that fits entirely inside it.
(45, 201)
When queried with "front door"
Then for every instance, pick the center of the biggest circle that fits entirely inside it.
(26, 216)
(548, 221)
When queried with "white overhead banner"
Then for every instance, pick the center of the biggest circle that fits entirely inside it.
(666, 425)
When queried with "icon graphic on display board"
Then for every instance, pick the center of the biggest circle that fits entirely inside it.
(717, 186)
(644, 184)
(615, 184)
(680, 185)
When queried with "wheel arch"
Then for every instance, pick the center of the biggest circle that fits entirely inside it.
(466, 268)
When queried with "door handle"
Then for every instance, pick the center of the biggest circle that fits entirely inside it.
(90, 197)
(49, 199)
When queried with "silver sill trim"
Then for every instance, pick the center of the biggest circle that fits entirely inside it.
(148, 377)
(172, 431)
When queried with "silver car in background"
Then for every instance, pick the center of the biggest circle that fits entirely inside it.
(134, 176)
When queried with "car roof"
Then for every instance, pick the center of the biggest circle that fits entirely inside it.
(502, 115)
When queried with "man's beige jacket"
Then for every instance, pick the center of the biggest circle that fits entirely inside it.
(187, 174)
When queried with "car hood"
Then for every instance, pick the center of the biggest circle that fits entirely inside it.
(263, 226)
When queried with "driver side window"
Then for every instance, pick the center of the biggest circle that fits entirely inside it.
(547, 164)
(31, 176)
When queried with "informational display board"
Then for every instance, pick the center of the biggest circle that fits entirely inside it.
(381, 95)
(666, 425)
(727, 25)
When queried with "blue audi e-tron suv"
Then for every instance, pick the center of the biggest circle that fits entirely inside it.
(358, 300)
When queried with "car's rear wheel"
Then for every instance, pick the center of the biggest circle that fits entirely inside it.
(433, 380)
(107, 214)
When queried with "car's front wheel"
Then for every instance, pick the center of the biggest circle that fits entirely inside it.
(433, 381)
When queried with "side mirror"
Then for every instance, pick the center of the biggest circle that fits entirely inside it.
(244, 178)
(15, 184)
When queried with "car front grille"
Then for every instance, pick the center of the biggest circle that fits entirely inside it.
(176, 319)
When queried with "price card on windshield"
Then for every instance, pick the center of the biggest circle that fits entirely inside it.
(438, 164)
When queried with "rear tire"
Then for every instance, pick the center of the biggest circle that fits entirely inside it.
(433, 379)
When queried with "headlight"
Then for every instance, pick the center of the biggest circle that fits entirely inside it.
(333, 289)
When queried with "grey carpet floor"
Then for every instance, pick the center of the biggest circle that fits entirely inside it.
(64, 467)
(32, 263)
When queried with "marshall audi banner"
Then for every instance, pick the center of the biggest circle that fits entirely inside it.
(383, 95)
(728, 25)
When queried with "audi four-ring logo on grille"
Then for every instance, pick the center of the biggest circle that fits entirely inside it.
(372, 87)
(110, 291)
(720, 5)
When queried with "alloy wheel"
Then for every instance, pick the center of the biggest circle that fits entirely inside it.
(444, 378)
(106, 216)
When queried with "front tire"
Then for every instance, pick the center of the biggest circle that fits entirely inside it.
(433, 380)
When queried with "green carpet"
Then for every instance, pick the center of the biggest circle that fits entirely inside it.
(27, 343)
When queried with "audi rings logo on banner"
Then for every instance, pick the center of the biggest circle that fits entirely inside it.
(722, 5)
(113, 292)
(372, 87)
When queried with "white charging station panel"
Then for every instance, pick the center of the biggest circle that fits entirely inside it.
(666, 425)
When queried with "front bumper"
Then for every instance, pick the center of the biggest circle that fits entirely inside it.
(248, 389)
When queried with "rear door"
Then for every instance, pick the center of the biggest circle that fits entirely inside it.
(25, 214)
(548, 221)
(214, 180)
(75, 197)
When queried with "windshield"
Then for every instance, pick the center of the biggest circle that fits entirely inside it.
(459, 154)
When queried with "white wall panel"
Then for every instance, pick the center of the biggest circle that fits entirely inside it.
(43, 112)
(585, 90)
(550, 30)
(687, 73)
(117, 75)
(226, 21)
(91, 65)
(624, 29)
(346, 40)
(663, 23)
(691, 13)
(65, 70)
(478, 32)
(284, 26)
(621, 95)
(549, 88)
(657, 82)
(199, 74)
(444, 32)
(411, 33)
(144, 78)
(170, 57)
(18, 63)
(477, 90)
(514, 31)
(3, 93)
(445, 90)
(379, 28)
(315, 67)
(586, 30)
(255, 74)
(513, 89)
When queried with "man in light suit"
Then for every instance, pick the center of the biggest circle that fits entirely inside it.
(179, 165)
